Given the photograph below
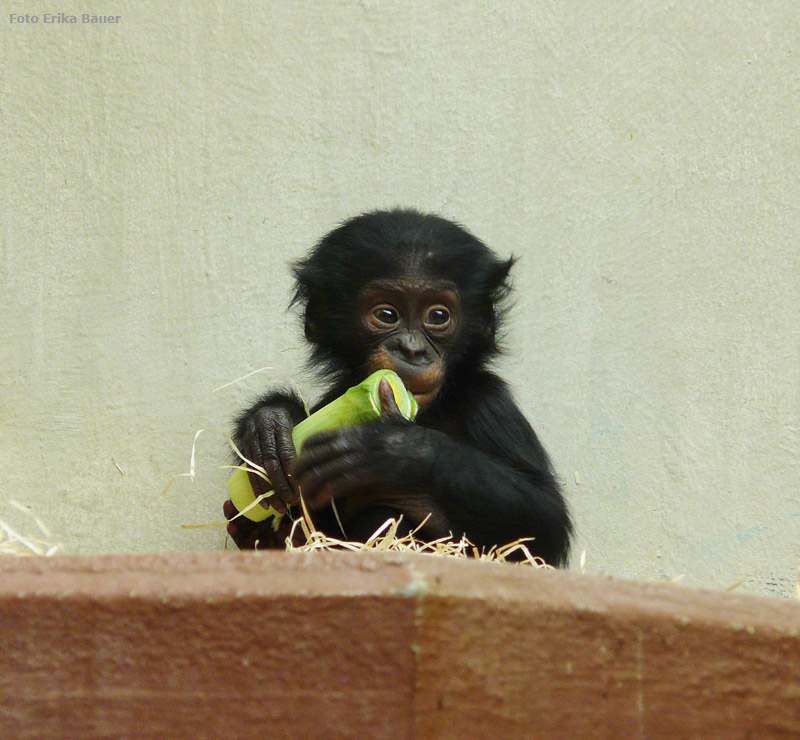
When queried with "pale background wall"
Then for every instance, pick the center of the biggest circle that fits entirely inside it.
(641, 157)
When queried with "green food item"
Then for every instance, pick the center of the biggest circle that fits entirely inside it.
(357, 405)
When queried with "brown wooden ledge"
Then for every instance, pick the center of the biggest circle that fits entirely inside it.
(338, 645)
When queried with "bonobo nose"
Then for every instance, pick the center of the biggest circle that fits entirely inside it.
(412, 346)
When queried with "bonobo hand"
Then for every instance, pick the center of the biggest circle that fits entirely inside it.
(266, 439)
(392, 452)
(250, 535)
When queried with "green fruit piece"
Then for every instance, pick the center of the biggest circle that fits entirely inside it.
(357, 405)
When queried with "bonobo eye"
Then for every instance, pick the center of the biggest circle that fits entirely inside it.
(385, 315)
(438, 316)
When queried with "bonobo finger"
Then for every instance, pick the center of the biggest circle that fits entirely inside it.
(259, 538)
(238, 526)
(389, 408)
(327, 480)
(318, 450)
(229, 510)
(276, 502)
(254, 452)
(284, 445)
(323, 496)
(277, 470)
(240, 530)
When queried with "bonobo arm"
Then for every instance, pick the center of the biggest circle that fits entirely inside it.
(263, 433)
(487, 474)
(499, 485)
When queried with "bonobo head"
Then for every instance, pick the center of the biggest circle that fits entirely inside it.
(403, 290)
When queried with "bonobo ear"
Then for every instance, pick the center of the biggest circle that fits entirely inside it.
(494, 287)
(497, 278)
(498, 288)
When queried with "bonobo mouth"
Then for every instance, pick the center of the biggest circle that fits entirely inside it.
(423, 384)
(424, 394)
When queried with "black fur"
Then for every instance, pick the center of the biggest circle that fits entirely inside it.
(471, 455)
(384, 244)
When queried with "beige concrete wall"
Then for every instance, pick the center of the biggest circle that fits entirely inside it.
(641, 157)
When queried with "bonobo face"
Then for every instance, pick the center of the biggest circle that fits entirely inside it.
(409, 325)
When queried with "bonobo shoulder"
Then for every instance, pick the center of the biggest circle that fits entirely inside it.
(491, 419)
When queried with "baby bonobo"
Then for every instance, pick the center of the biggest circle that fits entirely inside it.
(419, 295)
